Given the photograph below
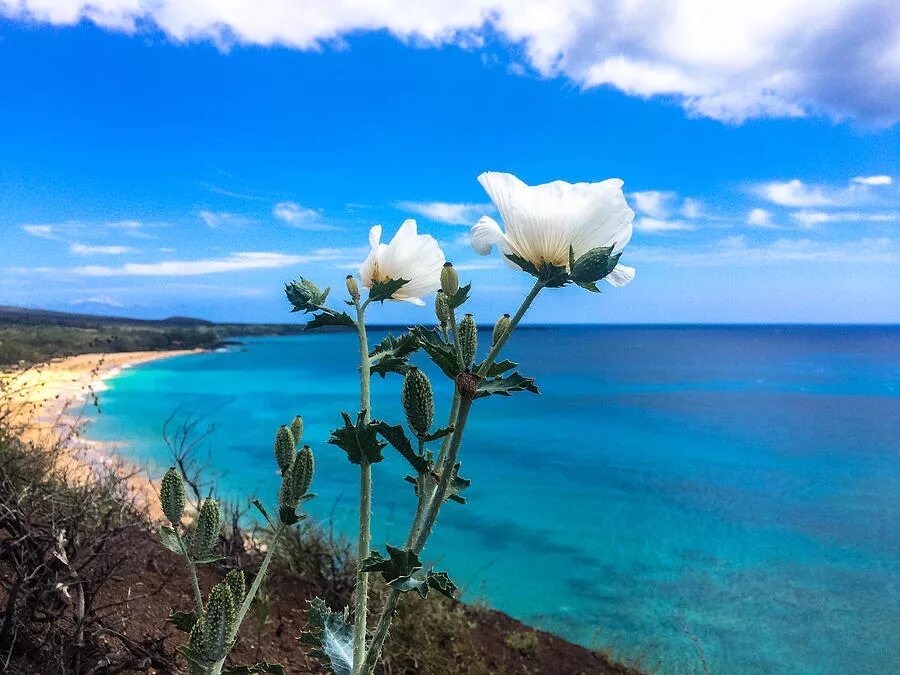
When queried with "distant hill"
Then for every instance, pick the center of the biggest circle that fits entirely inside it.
(32, 335)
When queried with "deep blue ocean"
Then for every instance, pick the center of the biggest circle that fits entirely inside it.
(735, 485)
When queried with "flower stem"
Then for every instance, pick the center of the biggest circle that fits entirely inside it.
(361, 599)
(419, 535)
(195, 582)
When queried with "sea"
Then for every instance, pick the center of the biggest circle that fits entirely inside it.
(683, 497)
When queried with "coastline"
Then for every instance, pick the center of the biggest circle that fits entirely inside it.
(46, 404)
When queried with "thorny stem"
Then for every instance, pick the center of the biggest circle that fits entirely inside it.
(419, 535)
(361, 599)
(198, 597)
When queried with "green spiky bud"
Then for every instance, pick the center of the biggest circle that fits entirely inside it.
(302, 472)
(218, 621)
(441, 308)
(209, 524)
(352, 287)
(237, 585)
(196, 638)
(468, 339)
(418, 401)
(297, 430)
(172, 495)
(284, 448)
(286, 499)
(501, 328)
(449, 280)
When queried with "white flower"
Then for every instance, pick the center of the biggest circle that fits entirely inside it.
(543, 221)
(411, 256)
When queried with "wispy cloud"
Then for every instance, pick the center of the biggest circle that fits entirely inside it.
(84, 249)
(235, 262)
(40, 231)
(798, 194)
(813, 218)
(217, 219)
(653, 203)
(103, 300)
(301, 217)
(452, 213)
(872, 180)
(652, 225)
(760, 218)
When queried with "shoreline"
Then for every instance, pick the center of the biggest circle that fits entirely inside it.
(46, 402)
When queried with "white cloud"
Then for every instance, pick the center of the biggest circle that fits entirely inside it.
(872, 180)
(83, 249)
(104, 300)
(760, 218)
(692, 208)
(661, 225)
(447, 212)
(653, 203)
(726, 60)
(129, 225)
(810, 219)
(40, 231)
(740, 251)
(300, 217)
(235, 262)
(217, 219)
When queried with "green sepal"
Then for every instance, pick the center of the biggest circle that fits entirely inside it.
(170, 540)
(331, 636)
(552, 276)
(330, 317)
(395, 435)
(441, 353)
(593, 265)
(305, 296)
(384, 290)
(505, 386)
(398, 567)
(391, 355)
(460, 297)
(358, 440)
(439, 433)
(289, 516)
(183, 621)
(261, 667)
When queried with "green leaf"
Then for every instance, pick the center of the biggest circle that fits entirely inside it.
(261, 667)
(553, 276)
(193, 656)
(439, 433)
(262, 510)
(208, 559)
(331, 637)
(456, 485)
(441, 353)
(441, 582)
(505, 386)
(358, 441)
(460, 297)
(384, 290)
(170, 540)
(400, 566)
(391, 355)
(395, 435)
(497, 368)
(523, 264)
(330, 317)
(305, 296)
(183, 621)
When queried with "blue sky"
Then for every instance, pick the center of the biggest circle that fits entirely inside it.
(190, 163)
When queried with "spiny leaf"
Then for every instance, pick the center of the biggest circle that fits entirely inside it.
(391, 355)
(401, 564)
(505, 386)
(458, 298)
(262, 510)
(261, 667)
(456, 485)
(522, 264)
(170, 539)
(395, 435)
(331, 636)
(441, 353)
(384, 290)
(305, 295)
(440, 433)
(497, 368)
(441, 582)
(330, 317)
(358, 440)
(183, 621)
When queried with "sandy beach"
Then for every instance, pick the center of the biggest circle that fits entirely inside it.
(47, 403)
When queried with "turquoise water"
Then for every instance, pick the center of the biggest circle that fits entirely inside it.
(738, 484)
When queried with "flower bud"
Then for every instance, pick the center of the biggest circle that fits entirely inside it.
(468, 339)
(297, 430)
(418, 401)
(209, 523)
(284, 448)
(500, 329)
(218, 620)
(286, 499)
(449, 280)
(441, 308)
(302, 472)
(172, 495)
(237, 585)
(352, 287)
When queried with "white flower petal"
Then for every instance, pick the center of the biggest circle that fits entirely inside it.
(486, 234)
(375, 236)
(416, 258)
(620, 276)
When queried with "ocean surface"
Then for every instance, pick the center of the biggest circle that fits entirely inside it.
(730, 489)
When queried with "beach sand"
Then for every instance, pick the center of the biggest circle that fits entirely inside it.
(46, 403)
